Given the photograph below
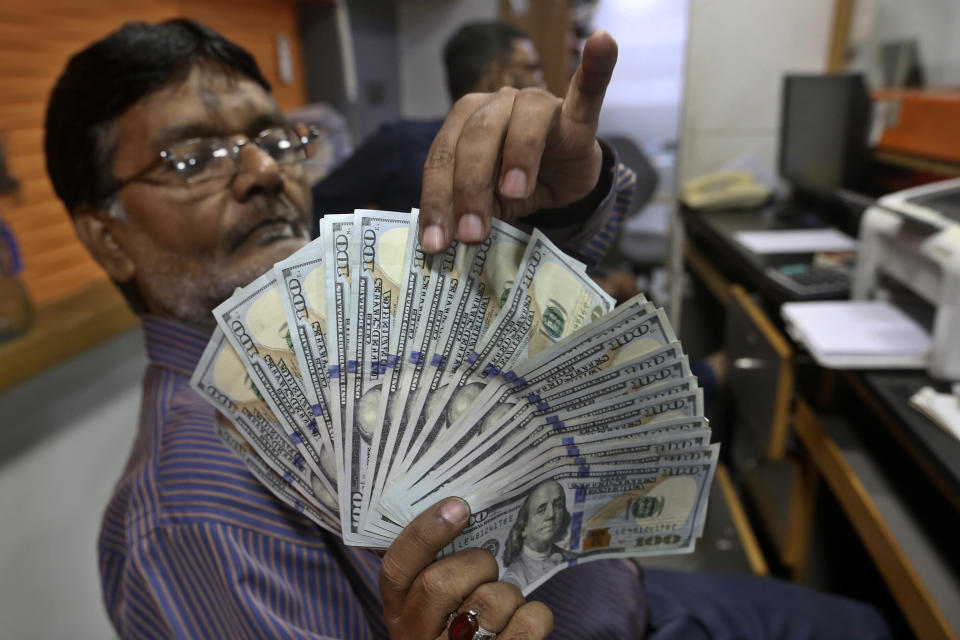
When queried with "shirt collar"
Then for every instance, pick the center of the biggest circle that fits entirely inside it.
(174, 344)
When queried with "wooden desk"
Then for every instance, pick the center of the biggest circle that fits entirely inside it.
(912, 566)
(909, 552)
(63, 329)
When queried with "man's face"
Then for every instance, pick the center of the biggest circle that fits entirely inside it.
(192, 245)
(547, 509)
(523, 69)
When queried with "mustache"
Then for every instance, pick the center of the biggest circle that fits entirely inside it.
(267, 210)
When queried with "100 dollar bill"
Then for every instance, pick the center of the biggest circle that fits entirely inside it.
(256, 326)
(680, 400)
(376, 262)
(302, 291)
(551, 299)
(511, 416)
(570, 519)
(222, 381)
(627, 334)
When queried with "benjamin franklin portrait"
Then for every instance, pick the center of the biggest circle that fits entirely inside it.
(531, 550)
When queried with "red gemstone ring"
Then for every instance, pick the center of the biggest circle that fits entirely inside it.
(465, 625)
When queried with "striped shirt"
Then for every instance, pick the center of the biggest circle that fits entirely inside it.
(192, 546)
(602, 229)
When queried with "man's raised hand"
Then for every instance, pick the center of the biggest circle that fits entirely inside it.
(514, 152)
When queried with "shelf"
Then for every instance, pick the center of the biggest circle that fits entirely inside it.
(63, 329)
(916, 163)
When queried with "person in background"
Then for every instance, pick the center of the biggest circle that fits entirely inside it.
(386, 172)
(184, 181)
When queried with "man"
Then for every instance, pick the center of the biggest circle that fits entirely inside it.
(386, 171)
(183, 181)
(531, 550)
(165, 145)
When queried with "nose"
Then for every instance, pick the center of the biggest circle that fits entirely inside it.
(548, 513)
(257, 172)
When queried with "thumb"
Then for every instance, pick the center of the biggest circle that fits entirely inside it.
(589, 83)
(417, 546)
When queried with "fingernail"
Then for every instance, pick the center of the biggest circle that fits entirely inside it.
(470, 228)
(455, 511)
(432, 238)
(514, 184)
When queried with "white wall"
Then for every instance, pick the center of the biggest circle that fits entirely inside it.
(643, 100)
(424, 26)
(738, 51)
(67, 434)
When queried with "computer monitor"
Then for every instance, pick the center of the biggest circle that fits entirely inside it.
(823, 139)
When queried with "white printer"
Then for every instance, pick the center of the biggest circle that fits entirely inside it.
(913, 238)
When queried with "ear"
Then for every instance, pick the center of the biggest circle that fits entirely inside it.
(96, 231)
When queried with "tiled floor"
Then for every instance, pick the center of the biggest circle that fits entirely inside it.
(64, 440)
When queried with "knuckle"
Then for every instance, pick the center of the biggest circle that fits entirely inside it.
(526, 143)
(536, 93)
(471, 185)
(485, 599)
(431, 207)
(480, 124)
(515, 592)
(484, 561)
(470, 102)
(436, 584)
(439, 156)
(392, 573)
(507, 92)
(474, 97)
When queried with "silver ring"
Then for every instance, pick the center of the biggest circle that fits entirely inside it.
(469, 620)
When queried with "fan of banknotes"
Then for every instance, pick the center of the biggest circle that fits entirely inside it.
(363, 380)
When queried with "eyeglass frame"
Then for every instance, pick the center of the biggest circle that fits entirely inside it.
(312, 133)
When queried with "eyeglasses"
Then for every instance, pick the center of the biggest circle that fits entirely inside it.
(213, 159)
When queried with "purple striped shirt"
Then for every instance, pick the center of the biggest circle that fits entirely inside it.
(601, 230)
(192, 546)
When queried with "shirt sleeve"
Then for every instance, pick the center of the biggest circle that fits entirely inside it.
(590, 239)
(218, 581)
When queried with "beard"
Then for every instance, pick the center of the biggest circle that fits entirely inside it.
(187, 287)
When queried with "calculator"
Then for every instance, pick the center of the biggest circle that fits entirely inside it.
(804, 280)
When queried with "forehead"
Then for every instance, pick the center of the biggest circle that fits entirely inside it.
(206, 101)
(546, 493)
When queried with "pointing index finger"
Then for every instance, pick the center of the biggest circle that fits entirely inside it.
(589, 84)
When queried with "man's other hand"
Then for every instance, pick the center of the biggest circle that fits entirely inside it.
(514, 152)
(419, 591)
